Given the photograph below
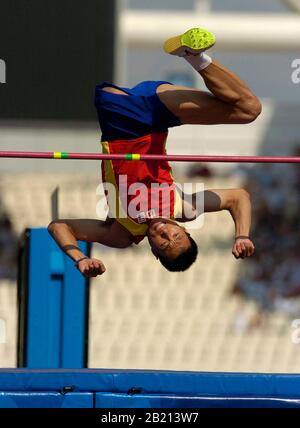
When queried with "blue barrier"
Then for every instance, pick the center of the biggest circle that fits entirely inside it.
(53, 305)
(147, 389)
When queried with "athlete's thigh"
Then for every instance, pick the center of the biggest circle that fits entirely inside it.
(113, 90)
(193, 106)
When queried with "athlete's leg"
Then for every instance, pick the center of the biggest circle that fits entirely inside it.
(230, 100)
(113, 90)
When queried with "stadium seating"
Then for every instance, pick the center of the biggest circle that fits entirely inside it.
(142, 316)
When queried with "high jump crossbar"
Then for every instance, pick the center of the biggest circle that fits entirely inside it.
(147, 157)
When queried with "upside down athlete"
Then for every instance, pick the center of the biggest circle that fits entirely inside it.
(136, 121)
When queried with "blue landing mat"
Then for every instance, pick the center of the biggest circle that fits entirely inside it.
(145, 388)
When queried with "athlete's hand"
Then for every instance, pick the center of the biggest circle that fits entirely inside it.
(91, 267)
(243, 247)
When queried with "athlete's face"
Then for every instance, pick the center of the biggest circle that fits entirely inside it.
(167, 239)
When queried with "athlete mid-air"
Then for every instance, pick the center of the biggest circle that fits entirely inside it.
(136, 120)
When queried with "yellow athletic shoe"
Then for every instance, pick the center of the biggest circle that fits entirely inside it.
(192, 42)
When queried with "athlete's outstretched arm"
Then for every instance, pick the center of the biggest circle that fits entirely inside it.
(67, 232)
(238, 203)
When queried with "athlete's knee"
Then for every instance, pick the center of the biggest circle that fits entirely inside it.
(250, 108)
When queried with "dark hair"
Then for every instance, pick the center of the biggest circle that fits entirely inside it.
(183, 261)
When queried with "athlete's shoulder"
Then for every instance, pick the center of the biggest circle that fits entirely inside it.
(120, 237)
